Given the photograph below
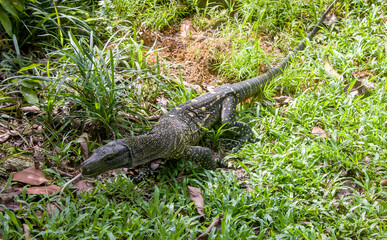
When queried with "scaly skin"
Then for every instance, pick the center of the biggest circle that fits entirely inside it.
(177, 132)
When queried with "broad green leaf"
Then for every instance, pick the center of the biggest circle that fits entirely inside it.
(30, 95)
(9, 7)
(29, 67)
(19, 5)
(6, 22)
(30, 83)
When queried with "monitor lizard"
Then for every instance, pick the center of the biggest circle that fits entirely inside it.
(177, 133)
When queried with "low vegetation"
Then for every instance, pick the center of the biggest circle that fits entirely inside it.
(77, 74)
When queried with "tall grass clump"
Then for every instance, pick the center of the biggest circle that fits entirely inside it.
(142, 13)
(95, 87)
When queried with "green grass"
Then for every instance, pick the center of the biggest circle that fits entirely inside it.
(297, 178)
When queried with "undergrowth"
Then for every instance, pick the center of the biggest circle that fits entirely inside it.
(288, 184)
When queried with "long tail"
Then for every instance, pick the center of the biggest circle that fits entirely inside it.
(252, 86)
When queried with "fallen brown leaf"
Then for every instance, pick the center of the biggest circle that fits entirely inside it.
(42, 190)
(283, 99)
(330, 18)
(31, 176)
(346, 189)
(249, 189)
(38, 214)
(162, 101)
(180, 176)
(82, 140)
(26, 230)
(13, 206)
(85, 186)
(319, 131)
(383, 182)
(305, 223)
(30, 109)
(360, 87)
(52, 208)
(154, 165)
(38, 153)
(329, 68)
(196, 196)
(186, 28)
(4, 137)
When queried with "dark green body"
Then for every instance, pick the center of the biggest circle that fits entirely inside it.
(177, 132)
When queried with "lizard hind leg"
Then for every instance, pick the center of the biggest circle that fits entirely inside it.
(241, 132)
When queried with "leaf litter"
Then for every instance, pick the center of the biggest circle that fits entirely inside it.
(320, 132)
(196, 196)
(31, 176)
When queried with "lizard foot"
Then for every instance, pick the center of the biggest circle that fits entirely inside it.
(220, 163)
(143, 174)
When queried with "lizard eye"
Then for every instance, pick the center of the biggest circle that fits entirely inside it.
(110, 158)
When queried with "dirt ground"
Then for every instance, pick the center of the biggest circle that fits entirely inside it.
(189, 51)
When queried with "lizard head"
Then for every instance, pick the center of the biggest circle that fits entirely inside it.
(115, 154)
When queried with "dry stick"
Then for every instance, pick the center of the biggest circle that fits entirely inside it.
(212, 225)
(63, 173)
(69, 182)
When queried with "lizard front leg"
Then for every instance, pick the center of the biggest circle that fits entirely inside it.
(240, 130)
(143, 173)
(204, 156)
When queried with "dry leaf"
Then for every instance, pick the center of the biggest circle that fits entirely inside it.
(85, 185)
(346, 190)
(51, 209)
(180, 176)
(13, 206)
(10, 196)
(319, 131)
(267, 103)
(249, 189)
(196, 197)
(186, 28)
(42, 190)
(4, 137)
(38, 153)
(154, 166)
(283, 99)
(27, 234)
(30, 109)
(330, 18)
(360, 87)
(305, 223)
(161, 101)
(329, 68)
(82, 140)
(38, 214)
(31, 176)
(200, 38)
(383, 182)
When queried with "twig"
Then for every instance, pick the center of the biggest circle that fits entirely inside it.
(215, 223)
(63, 173)
(69, 182)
